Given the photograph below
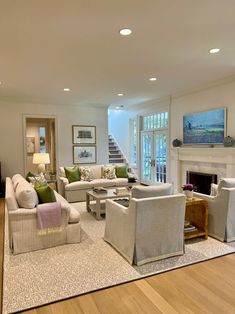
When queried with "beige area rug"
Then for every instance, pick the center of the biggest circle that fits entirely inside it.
(45, 276)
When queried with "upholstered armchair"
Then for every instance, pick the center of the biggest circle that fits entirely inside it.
(150, 229)
(221, 210)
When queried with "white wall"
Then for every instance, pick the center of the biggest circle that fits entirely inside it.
(211, 98)
(12, 137)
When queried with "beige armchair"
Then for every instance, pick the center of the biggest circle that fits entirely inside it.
(221, 211)
(149, 229)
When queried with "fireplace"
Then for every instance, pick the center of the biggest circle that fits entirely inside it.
(201, 181)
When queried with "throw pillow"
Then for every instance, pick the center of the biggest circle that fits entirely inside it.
(30, 174)
(25, 195)
(109, 172)
(45, 194)
(72, 174)
(86, 174)
(38, 178)
(121, 171)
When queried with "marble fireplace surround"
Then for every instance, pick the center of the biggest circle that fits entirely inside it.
(214, 160)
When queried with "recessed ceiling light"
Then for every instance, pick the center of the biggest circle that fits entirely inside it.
(67, 89)
(117, 107)
(0, 83)
(214, 50)
(120, 94)
(125, 31)
(153, 79)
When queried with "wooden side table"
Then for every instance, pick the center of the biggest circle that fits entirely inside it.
(196, 212)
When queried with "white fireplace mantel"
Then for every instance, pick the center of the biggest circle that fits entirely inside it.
(220, 161)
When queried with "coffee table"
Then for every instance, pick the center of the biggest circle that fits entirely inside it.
(98, 206)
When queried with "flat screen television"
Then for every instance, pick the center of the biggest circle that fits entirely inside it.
(208, 127)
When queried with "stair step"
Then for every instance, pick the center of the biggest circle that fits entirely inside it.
(113, 148)
(116, 160)
(115, 155)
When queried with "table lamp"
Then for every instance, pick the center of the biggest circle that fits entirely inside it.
(41, 159)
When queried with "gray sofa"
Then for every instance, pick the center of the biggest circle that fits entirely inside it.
(21, 201)
(76, 191)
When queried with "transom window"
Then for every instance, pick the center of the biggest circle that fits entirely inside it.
(155, 121)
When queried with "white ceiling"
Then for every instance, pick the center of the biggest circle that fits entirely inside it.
(47, 45)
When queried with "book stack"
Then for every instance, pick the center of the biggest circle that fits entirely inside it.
(188, 227)
(100, 190)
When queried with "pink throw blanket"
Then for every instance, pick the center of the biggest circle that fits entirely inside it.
(48, 215)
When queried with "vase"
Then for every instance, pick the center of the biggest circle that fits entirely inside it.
(188, 194)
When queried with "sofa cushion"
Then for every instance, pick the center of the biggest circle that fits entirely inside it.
(37, 178)
(103, 183)
(226, 183)
(45, 194)
(16, 179)
(97, 171)
(121, 171)
(86, 174)
(72, 174)
(78, 185)
(74, 216)
(26, 196)
(109, 172)
(120, 181)
(152, 190)
(28, 175)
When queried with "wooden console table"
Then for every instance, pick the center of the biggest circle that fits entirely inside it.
(196, 212)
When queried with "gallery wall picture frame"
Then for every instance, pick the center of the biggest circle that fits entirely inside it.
(85, 154)
(84, 134)
(30, 144)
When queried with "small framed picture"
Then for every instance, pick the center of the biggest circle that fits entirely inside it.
(84, 154)
(30, 143)
(84, 134)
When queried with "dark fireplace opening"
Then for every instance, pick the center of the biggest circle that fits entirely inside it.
(201, 181)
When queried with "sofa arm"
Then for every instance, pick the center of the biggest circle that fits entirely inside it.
(74, 216)
(62, 184)
(204, 196)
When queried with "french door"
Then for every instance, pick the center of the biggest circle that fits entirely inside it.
(154, 156)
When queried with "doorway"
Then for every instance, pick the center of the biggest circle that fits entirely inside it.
(154, 157)
(40, 138)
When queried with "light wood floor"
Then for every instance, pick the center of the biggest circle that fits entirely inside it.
(208, 287)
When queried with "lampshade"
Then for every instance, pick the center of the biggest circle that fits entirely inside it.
(41, 158)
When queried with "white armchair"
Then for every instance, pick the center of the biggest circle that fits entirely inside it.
(221, 211)
(149, 229)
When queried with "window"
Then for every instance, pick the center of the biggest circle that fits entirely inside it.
(42, 135)
(155, 121)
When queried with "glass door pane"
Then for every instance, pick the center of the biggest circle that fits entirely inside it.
(160, 142)
(146, 156)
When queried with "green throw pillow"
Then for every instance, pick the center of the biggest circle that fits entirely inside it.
(45, 194)
(72, 174)
(121, 171)
(30, 174)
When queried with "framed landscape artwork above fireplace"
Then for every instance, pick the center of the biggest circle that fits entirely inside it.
(208, 127)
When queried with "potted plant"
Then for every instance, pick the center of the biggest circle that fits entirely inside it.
(188, 191)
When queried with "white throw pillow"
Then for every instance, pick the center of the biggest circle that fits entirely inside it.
(109, 172)
(26, 196)
(16, 179)
(86, 174)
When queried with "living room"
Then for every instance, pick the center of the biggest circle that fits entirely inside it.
(46, 85)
